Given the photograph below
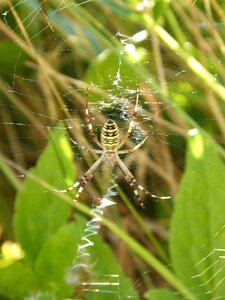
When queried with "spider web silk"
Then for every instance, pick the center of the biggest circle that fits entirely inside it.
(26, 118)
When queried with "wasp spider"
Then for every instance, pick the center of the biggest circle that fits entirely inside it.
(110, 145)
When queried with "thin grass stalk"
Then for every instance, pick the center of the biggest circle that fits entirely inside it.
(9, 174)
(203, 57)
(23, 108)
(162, 254)
(188, 58)
(195, 31)
(11, 134)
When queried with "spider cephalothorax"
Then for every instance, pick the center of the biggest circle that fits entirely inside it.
(110, 145)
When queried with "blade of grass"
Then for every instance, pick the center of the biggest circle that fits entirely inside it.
(140, 222)
(190, 60)
(8, 173)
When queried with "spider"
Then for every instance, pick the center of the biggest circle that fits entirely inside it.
(110, 145)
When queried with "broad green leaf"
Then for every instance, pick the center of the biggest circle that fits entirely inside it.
(16, 281)
(108, 270)
(103, 72)
(162, 294)
(197, 230)
(55, 257)
(38, 212)
(103, 273)
(9, 54)
(41, 296)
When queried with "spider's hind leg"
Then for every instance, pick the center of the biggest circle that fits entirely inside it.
(83, 180)
(134, 185)
(70, 188)
(131, 181)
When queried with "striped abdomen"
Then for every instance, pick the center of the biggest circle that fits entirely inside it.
(110, 136)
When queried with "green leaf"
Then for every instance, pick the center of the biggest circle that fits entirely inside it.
(41, 296)
(103, 274)
(105, 67)
(9, 54)
(162, 294)
(38, 212)
(197, 229)
(16, 281)
(55, 257)
(107, 269)
(40, 221)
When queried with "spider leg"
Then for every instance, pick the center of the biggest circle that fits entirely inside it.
(134, 185)
(84, 148)
(83, 180)
(135, 147)
(90, 127)
(130, 179)
(133, 118)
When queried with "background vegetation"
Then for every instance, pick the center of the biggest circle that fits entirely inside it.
(50, 51)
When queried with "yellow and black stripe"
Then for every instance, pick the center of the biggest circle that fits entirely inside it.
(110, 136)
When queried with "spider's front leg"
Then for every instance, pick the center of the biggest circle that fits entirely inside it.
(83, 147)
(132, 121)
(135, 147)
(83, 180)
(88, 120)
